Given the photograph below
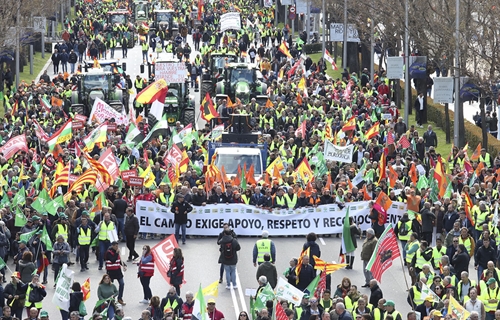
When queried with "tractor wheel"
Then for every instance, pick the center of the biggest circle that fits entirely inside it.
(189, 117)
(205, 87)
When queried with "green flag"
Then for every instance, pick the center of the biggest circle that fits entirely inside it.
(243, 180)
(472, 180)
(55, 204)
(373, 117)
(200, 306)
(20, 219)
(166, 180)
(434, 190)
(265, 295)
(3, 264)
(347, 244)
(46, 239)
(369, 176)
(27, 236)
(321, 168)
(422, 182)
(119, 183)
(19, 198)
(413, 215)
(311, 288)
(41, 201)
(5, 200)
(124, 165)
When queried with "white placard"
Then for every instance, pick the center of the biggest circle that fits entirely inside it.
(63, 288)
(171, 72)
(337, 32)
(39, 24)
(386, 116)
(286, 2)
(338, 153)
(395, 68)
(301, 7)
(443, 90)
(101, 112)
(247, 220)
(230, 21)
(288, 292)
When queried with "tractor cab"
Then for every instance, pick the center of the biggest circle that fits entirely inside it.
(242, 81)
(141, 10)
(164, 19)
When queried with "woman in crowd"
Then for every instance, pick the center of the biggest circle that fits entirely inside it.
(176, 270)
(61, 252)
(146, 271)
(107, 291)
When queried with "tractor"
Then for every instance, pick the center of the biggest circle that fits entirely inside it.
(96, 83)
(164, 19)
(118, 24)
(242, 81)
(214, 72)
(179, 104)
(141, 10)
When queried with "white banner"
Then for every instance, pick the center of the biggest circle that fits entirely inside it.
(230, 21)
(395, 68)
(171, 72)
(101, 112)
(338, 153)
(248, 220)
(288, 292)
(443, 89)
(337, 32)
(63, 288)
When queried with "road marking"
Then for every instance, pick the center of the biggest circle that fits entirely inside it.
(240, 292)
(322, 241)
(235, 302)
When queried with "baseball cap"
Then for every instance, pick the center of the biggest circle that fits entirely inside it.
(389, 303)
(211, 300)
(44, 314)
(490, 281)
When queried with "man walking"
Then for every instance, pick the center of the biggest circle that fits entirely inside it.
(84, 233)
(131, 232)
(103, 229)
(119, 208)
(229, 247)
(114, 268)
(262, 247)
(366, 254)
(180, 209)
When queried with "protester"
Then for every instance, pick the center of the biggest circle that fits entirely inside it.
(146, 272)
(176, 270)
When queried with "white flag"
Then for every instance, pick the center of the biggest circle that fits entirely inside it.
(329, 58)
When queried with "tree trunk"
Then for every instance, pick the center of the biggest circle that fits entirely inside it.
(353, 57)
(447, 123)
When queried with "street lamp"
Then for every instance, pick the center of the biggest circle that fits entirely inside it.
(457, 114)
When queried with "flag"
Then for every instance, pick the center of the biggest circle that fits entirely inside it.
(161, 128)
(373, 131)
(327, 267)
(199, 307)
(280, 313)
(349, 125)
(284, 49)
(62, 135)
(304, 171)
(384, 201)
(40, 132)
(390, 138)
(382, 166)
(276, 163)
(393, 177)
(311, 288)
(27, 236)
(40, 202)
(456, 310)
(413, 173)
(385, 252)
(301, 129)
(207, 109)
(212, 289)
(152, 92)
(46, 239)
(422, 182)
(200, 9)
(477, 153)
(19, 198)
(134, 135)
(347, 244)
(404, 143)
(306, 252)
(264, 295)
(320, 289)
(103, 172)
(269, 104)
(86, 289)
(467, 206)
(99, 134)
(302, 84)
(440, 177)
(426, 291)
(20, 218)
(329, 58)
(55, 204)
(89, 176)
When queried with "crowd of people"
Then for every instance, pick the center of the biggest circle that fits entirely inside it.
(448, 224)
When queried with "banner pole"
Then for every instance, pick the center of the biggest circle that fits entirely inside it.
(406, 280)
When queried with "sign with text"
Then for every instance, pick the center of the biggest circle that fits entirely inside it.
(250, 221)
(101, 112)
(111, 126)
(395, 68)
(171, 72)
(63, 288)
(338, 153)
(127, 174)
(162, 253)
(108, 160)
(76, 125)
(337, 32)
(136, 181)
(80, 117)
(443, 89)
(39, 24)
(14, 145)
(231, 21)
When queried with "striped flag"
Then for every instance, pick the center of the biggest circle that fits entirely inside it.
(62, 135)
(390, 138)
(329, 58)
(283, 48)
(280, 312)
(89, 176)
(404, 143)
(45, 104)
(96, 165)
(385, 252)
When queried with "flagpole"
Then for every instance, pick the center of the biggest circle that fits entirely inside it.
(406, 280)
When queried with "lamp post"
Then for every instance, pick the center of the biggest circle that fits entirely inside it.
(457, 114)
(344, 57)
(407, 67)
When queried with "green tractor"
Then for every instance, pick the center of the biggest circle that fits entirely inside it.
(96, 83)
(179, 103)
(118, 24)
(141, 14)
(242, 81)
(214, 72)
(164, 20)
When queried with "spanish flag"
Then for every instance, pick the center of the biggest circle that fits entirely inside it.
(207, 109)
(373, 131)
(350, 125)
(152, 92)
(284, 49)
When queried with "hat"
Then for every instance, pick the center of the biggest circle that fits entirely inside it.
(490, 281)
(22, 241)
(389, 303)
(306, 296)
(211, 300)
(437, 313)
(370, 231)
(438, 203)
(85, 213)
(35, 218)
(429, 298)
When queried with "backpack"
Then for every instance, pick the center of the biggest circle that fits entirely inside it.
(227, 250)
(403, 231)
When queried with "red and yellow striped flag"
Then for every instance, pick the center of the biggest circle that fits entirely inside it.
(96, 165)
(89, 176)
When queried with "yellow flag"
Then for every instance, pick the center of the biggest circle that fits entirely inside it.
(212, 289)
(456, 310)
(277, 162)
(302, 83)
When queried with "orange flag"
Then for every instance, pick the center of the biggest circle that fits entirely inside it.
(413, 173)
(229, 103)
(382, 167)
(224, 175)
(269, 104)
(267, 178)
(329, 181)
(393, 177)
(384, 201)
(299, 99)
(477, 153)
(366, 196)
(236, 179)
(277, 174)
(479, 167)
(250, 175)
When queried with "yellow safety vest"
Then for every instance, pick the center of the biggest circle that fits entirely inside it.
(467, 243)
(485, 159)
(263, 247)
(171, 305)
(84, 237)
(62, 230)
(488, 294)
(409, 256)
(417, 296)
(377, 314)
(429, 277)
(291, 201)
(27, 303)
(407, 226)
(103, 232)
(437, 254)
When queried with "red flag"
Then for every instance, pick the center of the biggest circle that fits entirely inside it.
(385, 252)
(404, 143)
(390, 138)
(320, 289)
(382, 164)
(86, 289)
(162, 254)
(200, 8)
(301, 129)
(280, 313)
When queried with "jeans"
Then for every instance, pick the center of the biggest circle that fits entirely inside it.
(368, 274)
(121, 227)
(479, 272)
(124, 51)
(103, 246)
(230, 275)
(145, 56)
(403, 244)
(56, 267)
(490, 315)
(111, 311)
(221, 271)
(56, 68)
(177, 227)
(112, 52)
(121, 285)
(64, 66)
(84, 255)
(18, 312)
(72, 67)
(145, 287)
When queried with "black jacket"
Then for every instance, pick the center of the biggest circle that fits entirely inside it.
(180, 210)
(460, 262)
(483, 255)
(428, 219)
(74, 301)
(376, 295)
(306, 275)
(430, 139)
(131, 225)
(314, 251)
(229, 258)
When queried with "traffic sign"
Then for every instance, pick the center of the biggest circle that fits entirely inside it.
(291, 13)
(39, 24)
